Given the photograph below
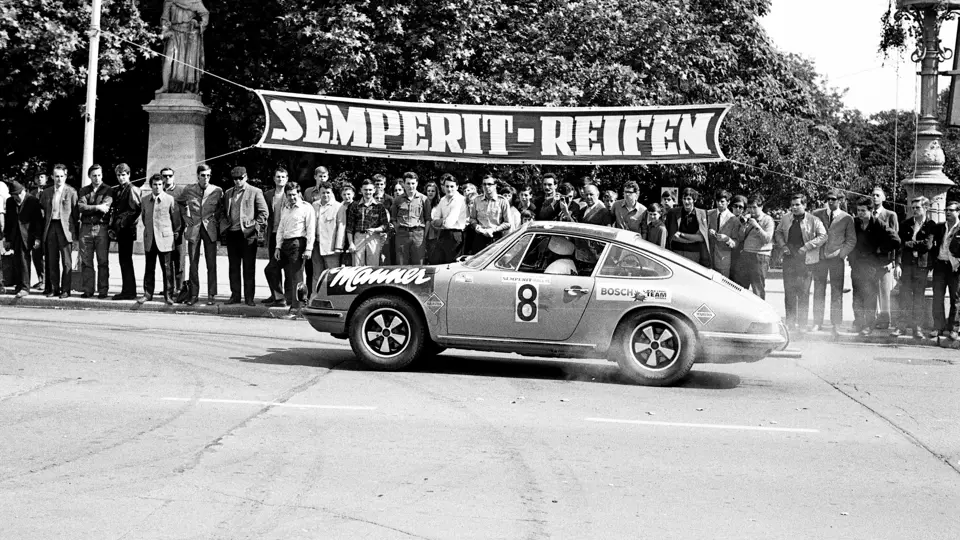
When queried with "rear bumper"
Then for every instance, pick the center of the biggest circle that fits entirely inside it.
(330, 321)
(730, 347)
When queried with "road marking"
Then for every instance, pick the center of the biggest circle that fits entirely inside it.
(274, 404)
(707, 426)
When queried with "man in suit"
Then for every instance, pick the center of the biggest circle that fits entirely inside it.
(178, 257)
(201, 219)
(917, 238)
(38, 185)
(160, 220)
(59, 203)
(94, 202)
(244, 218)
(275, 202)
(800, 236)
(875, 241)
(21, 233)
(885, 274)
(123, 229)
(721, 226)
(688, 231)
(841, 239)
(946, 273)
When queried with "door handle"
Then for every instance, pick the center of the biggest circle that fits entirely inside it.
(575, 290)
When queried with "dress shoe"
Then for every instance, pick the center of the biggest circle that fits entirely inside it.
(292, 314)
(103, 296)
(211, 300)
(917, 333)
(895, 332)
(866, 332)
(86, 295)
(145, 298)
(835, 331)
(22, 293)
(65, 295)
(251, 303)
(232, 301)
(167, 300)
(953, 335)
(38, 285)
(270, 300)
(816, 328)
(935, 334)
(125, 296)
(48, 294)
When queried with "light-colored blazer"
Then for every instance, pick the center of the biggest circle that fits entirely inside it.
(159, 221)
(327, 227)
(811, 229)
(253, 211)
(841, 234)
(69, 211)
(201, 209)
(888, 218)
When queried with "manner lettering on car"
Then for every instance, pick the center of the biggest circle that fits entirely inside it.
(348, 279)
(624, 293)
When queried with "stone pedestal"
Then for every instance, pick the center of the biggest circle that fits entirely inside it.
(177, 123)
(928, 180)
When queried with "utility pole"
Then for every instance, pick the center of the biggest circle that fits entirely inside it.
(93, 72)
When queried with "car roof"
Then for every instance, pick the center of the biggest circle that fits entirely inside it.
(584, 229)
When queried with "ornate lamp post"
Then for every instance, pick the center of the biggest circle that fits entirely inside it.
(928, 178)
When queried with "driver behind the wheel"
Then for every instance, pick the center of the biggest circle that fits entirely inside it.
(560, 249)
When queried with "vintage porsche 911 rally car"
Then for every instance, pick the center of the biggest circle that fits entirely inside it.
(557, 290)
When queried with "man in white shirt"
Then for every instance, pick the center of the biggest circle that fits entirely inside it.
(885, 274)
(326, 250)
(946, 273)
(841, 240)
(201, 221)
(295, 237)
(452, 221)
(61, 217)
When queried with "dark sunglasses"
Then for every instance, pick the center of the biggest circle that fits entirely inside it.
(736, 206)
(489, 184)
(832, 199)
(167, 175)
(237, 177)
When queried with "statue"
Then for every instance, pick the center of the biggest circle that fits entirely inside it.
(183, 23)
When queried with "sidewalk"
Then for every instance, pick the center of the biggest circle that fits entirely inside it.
(775, 297)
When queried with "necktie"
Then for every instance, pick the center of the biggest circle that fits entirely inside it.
(829, 219)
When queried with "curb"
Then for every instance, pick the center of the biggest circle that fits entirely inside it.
(154, 306)
(877, 338)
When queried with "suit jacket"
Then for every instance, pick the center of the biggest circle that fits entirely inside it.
(919, 254)
(841, 234)
(875, 242)
(812, 230)
(24, 222)
(888, 218)
(717, 222)
(598, 214)
(202, 208)
(672, 222)
(272, 211)
(160, 220)
(253, 211)
(953, 245)
(126, 208)
(69, 211)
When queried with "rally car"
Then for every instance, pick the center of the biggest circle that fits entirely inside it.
(557, 290)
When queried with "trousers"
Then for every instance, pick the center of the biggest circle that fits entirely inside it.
(94, 241)
(828, 270)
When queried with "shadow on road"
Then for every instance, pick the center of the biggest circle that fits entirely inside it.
(559, 370)
(311, 357)
(514, 368)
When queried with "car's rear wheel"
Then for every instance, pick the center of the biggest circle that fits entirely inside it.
(387, 333)
(655, 348)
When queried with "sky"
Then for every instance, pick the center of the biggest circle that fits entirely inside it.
(842, 38)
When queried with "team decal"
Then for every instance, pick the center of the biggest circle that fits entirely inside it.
(704, 314)
(542, 280)
(347, 279)
(527, 305)
(618, 292)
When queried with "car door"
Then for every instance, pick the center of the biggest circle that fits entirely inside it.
(518, 297)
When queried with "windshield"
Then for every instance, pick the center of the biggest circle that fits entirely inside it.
(487, 254)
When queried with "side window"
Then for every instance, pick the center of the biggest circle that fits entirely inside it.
(511, 258)
(622, 262)
(561, 255)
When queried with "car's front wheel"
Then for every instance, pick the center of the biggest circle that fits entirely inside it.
(387, 333)
(654, 348)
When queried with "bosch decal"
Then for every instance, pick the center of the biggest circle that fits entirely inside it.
(623, 293)
(347, 279)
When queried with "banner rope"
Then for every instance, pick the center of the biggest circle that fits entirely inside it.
(252, 146)
(153, 52)
(804, 180)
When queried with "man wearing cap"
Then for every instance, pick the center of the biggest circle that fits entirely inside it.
(243, 219)
(841, 239)
(21, 233)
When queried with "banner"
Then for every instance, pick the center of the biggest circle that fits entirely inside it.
(487, 134)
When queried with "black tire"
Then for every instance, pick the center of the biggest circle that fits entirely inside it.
(387, 333)
(654, 348)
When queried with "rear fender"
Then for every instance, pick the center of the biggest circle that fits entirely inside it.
(662, 308)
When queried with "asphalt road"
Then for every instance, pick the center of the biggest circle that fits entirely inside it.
(148, 426)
